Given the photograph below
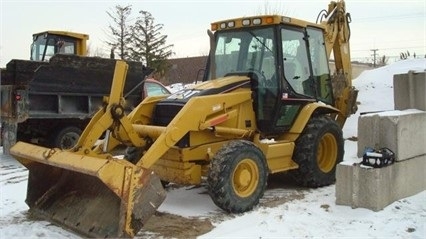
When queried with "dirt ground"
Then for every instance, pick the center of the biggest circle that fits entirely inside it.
(166, 225)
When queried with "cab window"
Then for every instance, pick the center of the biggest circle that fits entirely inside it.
(45, 46)
(296, 63)
(320, 67)
(154, 89)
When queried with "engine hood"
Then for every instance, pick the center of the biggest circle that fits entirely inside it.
(211, 87)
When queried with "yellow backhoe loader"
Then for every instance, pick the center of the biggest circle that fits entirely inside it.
(268, 104)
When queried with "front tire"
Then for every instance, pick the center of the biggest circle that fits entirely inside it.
(238, 176)
(318, 151)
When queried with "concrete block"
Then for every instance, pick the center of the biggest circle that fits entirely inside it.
(376, 188)
(403, 132)
(410, 90)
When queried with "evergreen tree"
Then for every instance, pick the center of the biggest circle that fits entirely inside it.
(148, 44)
(121, 35)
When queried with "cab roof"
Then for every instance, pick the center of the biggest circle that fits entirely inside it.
(64, 33)
(261, 20)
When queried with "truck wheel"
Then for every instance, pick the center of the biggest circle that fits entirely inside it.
(66, 137)
(318, 150)
(237, 177)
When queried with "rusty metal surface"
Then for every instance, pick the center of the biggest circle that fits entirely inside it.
(13, 108)
(75, 201)
(6, 103)
(93, 196)
(84, 204)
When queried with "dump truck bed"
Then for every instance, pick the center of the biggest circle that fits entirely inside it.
(66, 86)
(39, 99)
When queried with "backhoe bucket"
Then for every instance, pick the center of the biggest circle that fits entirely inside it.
(96, 197)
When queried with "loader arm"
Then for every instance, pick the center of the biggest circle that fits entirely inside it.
(337, 35)
(199, 113)
(110, 117)
(85, 188)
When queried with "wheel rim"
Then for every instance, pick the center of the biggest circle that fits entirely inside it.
(327, 153)
(69, 140)
(245, 178)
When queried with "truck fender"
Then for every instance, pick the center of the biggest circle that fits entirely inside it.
(307, 112)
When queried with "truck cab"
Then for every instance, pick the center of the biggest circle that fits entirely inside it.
(48, 43)
(285, 58)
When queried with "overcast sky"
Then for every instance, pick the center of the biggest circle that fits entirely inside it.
(390, 26)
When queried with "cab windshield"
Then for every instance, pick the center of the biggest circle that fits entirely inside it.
(46, 45)
(244, 51)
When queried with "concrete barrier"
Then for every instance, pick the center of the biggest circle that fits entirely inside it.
(403, 132)
(376, 188)
(410, 91)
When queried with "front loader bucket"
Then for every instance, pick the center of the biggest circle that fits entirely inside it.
(96, 197)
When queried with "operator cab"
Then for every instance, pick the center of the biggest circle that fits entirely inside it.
(287, 63)
(46, 44)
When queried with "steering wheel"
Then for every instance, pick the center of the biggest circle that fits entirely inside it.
(261, 79)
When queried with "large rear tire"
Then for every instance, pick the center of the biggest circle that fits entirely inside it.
(238, 176)
(318, 150)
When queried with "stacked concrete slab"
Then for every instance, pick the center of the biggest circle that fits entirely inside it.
(376, 188)
(401, 131)
(410, 91)
(404, 132)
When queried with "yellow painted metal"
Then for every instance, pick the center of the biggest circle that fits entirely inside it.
(303, 118)
(245, 177)
(264, 20)
(111, 115)
(216, 120)
(337, 41)
(185, 122)
(243, 80)
(151, 131)
(171, 163)
(234, 132)
(184, 173)
(347, 105)
(143, 112)
(178, 164)
(73, 190)
(278, 155)
(337, 36)
(327, 152)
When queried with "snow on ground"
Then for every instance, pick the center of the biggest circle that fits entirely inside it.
(307, 212)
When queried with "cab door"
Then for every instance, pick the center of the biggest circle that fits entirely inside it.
(305, 76)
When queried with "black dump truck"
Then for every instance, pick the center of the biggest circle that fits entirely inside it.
(50, 101)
